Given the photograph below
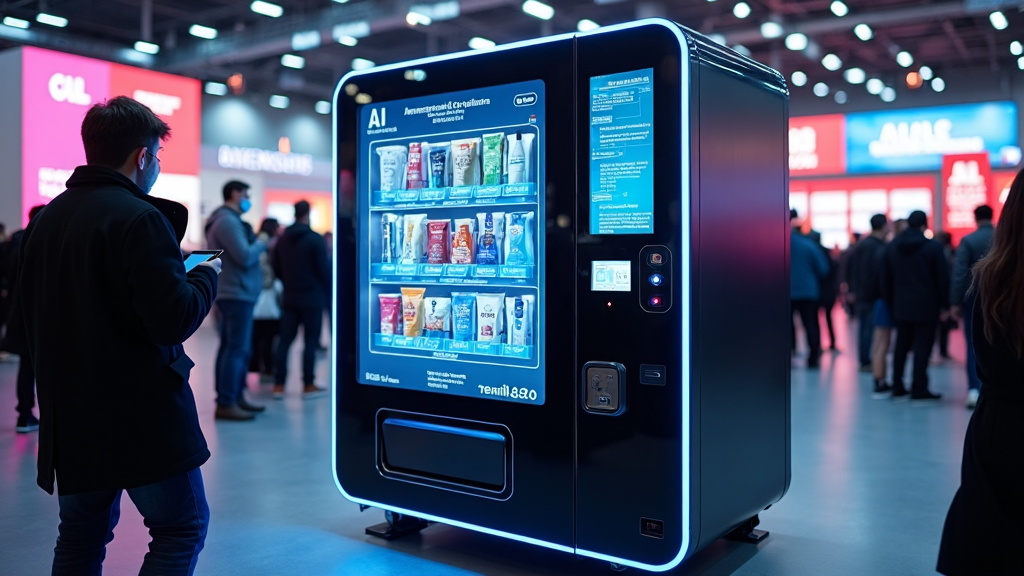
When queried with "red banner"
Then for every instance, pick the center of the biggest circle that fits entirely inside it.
(966, 184)
(1001, 182)
(817, 145)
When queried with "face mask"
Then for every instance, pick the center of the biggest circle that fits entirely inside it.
(245, 205)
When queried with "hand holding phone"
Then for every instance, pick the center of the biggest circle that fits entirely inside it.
(203, 257)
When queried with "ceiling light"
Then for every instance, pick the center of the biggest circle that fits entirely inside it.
(796, 41)
(998, 20)
(821, 89)
(362, 64)
(478, 43)
(841, 97)
(914, 80)
(771, 30)
(799, 78)
(741, 10)
(938, 84)
(15, 22)
(875, 86)
(278, 101)
(855, 75)
(51, 20)
(889, 94)
(926, 73)
(363, 98)
(322, 107)
(415, 75)
(347, 40)
(351, 89)
(1016, 48)
(216, 88)
(1020, 62)
(293, 61)
(341, 1)
(538, 9)
(414, 18)
(839, 9)
(863, 31)
(904, 59)
(831, 62)
(146, 47)
(266, 9)
(202, 32)
(587, 25)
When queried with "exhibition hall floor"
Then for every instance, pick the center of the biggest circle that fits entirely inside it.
(871, 484)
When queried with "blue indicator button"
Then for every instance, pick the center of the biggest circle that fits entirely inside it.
(655, 279)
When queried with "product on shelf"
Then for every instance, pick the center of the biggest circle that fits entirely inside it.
(462, 241)
(414, 174)
(520, 159)
(438, 319)
(438, 244)
(463, 316)
(412, 310)
(465, 162)
(393, 161)
(491, 229)
(439, 153)
(414, 238)
(489, 317)
(519, 319)
(518, 238)
(390, 313)
(390, 237)
(493, 157)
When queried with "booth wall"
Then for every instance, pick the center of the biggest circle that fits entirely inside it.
(10, 144)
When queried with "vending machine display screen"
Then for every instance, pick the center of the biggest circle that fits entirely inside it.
(451, 243)
(622, 153)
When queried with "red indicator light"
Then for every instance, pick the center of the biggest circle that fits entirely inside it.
(655, 301)
(609, 304)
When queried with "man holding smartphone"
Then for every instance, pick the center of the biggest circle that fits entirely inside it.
(107, 305)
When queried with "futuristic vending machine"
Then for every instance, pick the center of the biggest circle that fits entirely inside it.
(562, 292)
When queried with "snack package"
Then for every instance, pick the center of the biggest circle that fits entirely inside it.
(414, 238)
(390, 313)
(390, 237)
(414, 172)
(438, 157)
(438, 317)
(489, 317)
(520, 158)
(490, 237)
(463, 240)
(438, 235)
(393, 160)
(494, 155)
(519, 319)
(518, 238)
(464, 316)
(465, 162)
(412, 310)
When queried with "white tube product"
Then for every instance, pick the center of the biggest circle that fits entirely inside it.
(520, 157)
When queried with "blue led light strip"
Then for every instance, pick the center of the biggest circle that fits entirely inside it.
(684, 316)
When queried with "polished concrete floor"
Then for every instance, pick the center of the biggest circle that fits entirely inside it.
(871, 484)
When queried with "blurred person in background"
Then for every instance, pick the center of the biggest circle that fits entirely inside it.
(845, 282)
(300, 261)
(864, 281)
(329, 241)
(973, 247)
(807, 268)
(915, 284)
(947, 323)
(5, 282)
(240, 285)
(983, 529)
(267, 312)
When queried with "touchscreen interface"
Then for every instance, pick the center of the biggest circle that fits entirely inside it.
(451, 243)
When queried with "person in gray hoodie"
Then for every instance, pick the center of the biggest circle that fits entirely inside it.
(240, 284)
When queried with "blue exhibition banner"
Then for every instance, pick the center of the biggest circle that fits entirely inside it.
(916, 139)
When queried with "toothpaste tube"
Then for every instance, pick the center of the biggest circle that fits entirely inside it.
(412, 310)
(519, 319)
(518, 238)
(414, 173)
(393, 160)
(439, 160)
(465, 162)
(491, 230)
(390, 313)
(438, 235)
(463, 240)
(390, 237)
(489, 317)
(438, 319)
(414, 238)
(494, 151)
(463, 316)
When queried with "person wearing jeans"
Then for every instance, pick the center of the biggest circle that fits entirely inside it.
(973, 247)
(865, 270)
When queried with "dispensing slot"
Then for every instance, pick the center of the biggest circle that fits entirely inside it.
(448, 454)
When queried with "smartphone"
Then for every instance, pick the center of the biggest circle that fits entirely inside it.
(199, 256)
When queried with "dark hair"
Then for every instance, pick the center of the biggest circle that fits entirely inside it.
(301, 209)
(983, 212)
(270, 226)
(878, 222)
(793, 214)
(999, 276)
(35, 211)
(917, 219)
(113, 130)
(232, 186)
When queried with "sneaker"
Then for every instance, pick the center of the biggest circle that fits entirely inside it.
(233, 413)
(313, 391)
(972, 398)
(278, 392)
(27, 424)
(900, 394)
(927, 397)
(882, 390)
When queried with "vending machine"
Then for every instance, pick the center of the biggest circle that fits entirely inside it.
(562, 292)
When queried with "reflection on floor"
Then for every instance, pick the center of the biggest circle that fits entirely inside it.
(871, 484)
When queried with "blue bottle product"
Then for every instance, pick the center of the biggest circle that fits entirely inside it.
(438, 158)
(464, 316)
(519, 238)
(491, 229)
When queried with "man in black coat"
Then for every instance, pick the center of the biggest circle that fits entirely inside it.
(300, 261)
(107, 304)
(915, 282)
(973, 247)
(865, 272)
